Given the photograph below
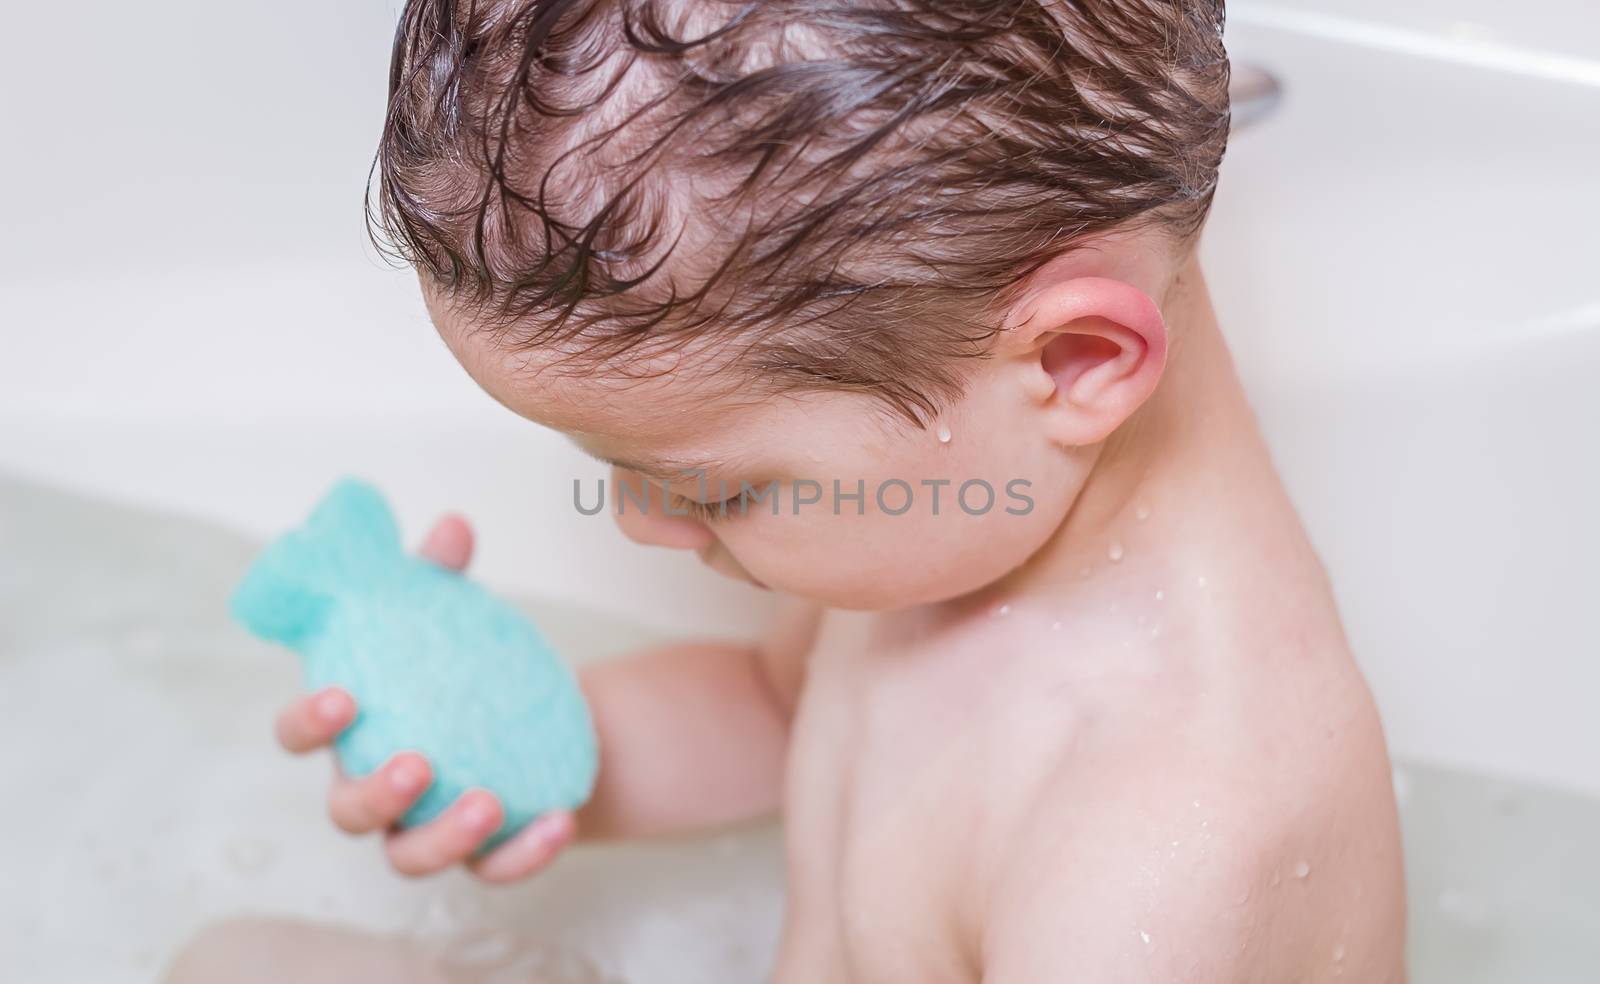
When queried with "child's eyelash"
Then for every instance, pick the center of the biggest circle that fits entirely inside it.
(721, 509)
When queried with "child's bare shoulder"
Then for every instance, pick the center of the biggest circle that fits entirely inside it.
(1242, 829)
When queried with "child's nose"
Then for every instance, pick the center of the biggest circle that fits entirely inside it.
(641, 511)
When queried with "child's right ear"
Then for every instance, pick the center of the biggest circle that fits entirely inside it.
(1091, 350)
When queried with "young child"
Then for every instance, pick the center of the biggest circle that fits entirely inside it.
(1098, 724)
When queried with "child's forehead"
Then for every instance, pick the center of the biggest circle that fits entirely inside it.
(641, 402)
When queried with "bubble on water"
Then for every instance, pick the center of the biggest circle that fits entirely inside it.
(495, 956)
(479, 951)
(251, 855)
(1114, 552)
(1302, 869)
(444, 916)
(1143, 513)
(944, 434)
(550, 964)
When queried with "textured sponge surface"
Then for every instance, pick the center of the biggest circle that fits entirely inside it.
(437, 665)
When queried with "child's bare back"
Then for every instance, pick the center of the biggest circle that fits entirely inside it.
(1095, 719)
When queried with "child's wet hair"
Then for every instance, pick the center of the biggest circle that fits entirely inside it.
(825, 195)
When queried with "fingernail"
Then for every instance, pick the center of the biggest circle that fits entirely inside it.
(405, 777)
(330, 707)
(477, 815)
(554, 832)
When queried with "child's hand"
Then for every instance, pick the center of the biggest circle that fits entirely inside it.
(377, 802)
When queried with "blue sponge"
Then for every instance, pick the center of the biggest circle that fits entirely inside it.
(436, 664)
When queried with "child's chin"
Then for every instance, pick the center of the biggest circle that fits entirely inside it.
(720, 562)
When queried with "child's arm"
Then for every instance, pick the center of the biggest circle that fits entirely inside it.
(690, 735)
(694, 734)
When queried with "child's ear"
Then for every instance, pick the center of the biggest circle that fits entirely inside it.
(1092, 350)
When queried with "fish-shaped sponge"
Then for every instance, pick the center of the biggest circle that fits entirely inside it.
(436, 664)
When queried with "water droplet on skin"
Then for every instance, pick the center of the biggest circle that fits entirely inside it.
(1302, 870)
(1338, 952)
(1200, 581)
(1085, 571)
(1115, 551)
(1143, 513)
(1144, 936)
(1155, 631)
(944, 434)
(1055, 626)
(1160, 595)
(1003, 610)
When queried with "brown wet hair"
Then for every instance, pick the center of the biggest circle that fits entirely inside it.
(814, 194)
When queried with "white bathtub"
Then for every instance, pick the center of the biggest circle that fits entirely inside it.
(1406, 257)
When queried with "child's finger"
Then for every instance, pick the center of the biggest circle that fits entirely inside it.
(449, 543)
(314, 721)
(449, 838)
(359, 806)
(533, 847)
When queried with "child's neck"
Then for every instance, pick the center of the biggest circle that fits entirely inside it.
(1187, 478)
